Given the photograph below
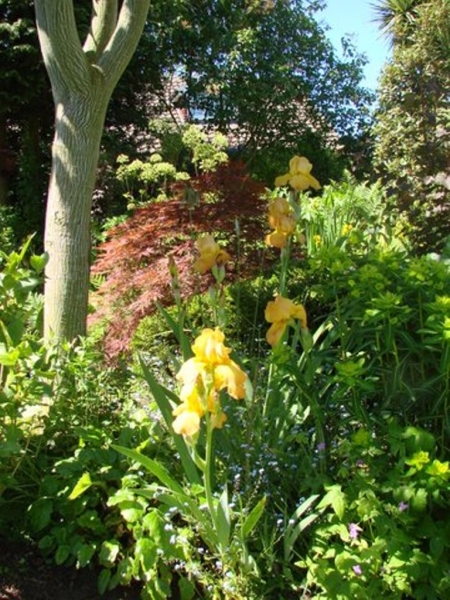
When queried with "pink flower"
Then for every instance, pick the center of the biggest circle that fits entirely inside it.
(353, 531)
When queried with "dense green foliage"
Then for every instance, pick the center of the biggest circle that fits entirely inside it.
(266, 73)
(354, 411)
(317, 99)
(25, 117)
(329, 477)
(412, 124)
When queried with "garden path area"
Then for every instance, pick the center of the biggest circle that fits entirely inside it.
(25, 575)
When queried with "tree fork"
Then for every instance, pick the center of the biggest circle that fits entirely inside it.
(82, 79)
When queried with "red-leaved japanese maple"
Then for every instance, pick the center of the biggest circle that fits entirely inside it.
(135, 258)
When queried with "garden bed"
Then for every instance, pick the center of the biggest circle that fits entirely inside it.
(26, 575)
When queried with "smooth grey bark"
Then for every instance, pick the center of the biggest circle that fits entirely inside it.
(83, 78)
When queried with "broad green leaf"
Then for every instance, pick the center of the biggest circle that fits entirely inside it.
(9, 281)
(344, 561)
(335, 498)
(103, 581)
(187, 507)
(108, 553)
(46, 543)
(437, 546)
(83, 484)
(127, 569)
(252, 518)
(84, 554)
(132, 514)
(419, 500)
(154, 467)
(9, 358)
(38, 262)
(146, 552)
(187, 589)
(62, 554)
(40, 513)
(90, 520)
(16, 329)
(156, 589)
(396, 562)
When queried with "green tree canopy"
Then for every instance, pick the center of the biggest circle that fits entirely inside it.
(413, 123)
(263, 69)
(25, 100)
(23, 84)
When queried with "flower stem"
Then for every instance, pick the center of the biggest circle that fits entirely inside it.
(207, 473)
(284, 267)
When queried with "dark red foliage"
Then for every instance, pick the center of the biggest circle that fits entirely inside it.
(135, 258)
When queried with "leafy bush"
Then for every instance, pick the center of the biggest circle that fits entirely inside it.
(25, 377)
(85, 513)
(328, 476)
(385, 532)
(144, 181)
(387, 316)
(8, 226)
(151, 179)
(46, 393)
(412, 125)
(354, 216)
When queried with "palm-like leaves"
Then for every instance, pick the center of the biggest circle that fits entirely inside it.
(396, 18)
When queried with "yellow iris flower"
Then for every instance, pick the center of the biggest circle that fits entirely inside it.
(280, 312)
(299, 176)
(211, 254)
(283, 220)
(209, 347)
(346, 229)
(187, 422)
(232, 378)
(208, 372)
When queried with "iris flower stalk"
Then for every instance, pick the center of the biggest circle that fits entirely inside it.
(213, 258)
(203, 378)
(284, 213)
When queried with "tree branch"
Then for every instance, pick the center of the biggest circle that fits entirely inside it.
(66, 64)
(124, 40)
(103, 24)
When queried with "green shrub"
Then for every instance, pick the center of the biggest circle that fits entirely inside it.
(388, 316)
(85, 511)
(8, 226)
(25, 377)
(328, 479)
(385, 532)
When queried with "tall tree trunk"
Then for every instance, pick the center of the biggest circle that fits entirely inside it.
(75, 153)
(83, 79)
